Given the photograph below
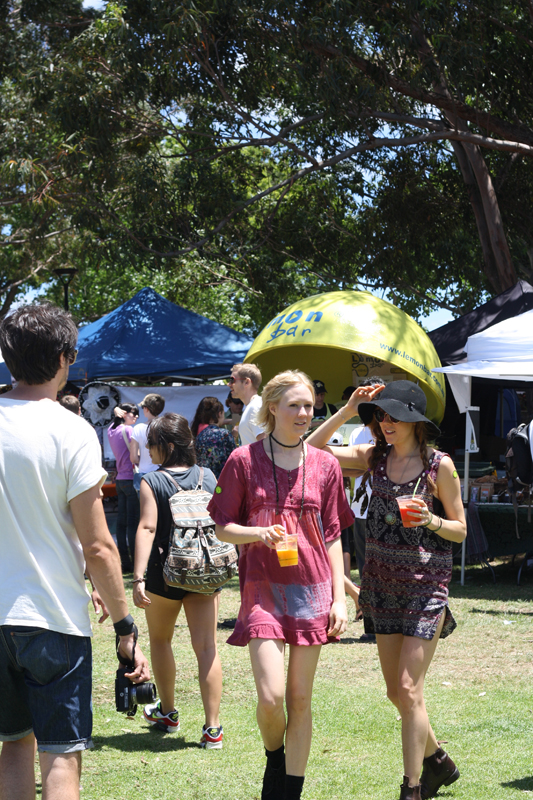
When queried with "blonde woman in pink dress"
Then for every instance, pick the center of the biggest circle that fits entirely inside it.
(281, 481)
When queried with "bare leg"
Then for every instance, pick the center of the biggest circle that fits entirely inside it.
(267, 657)
(61, 775)
(161, 616)
(404, 663)
(202, 614)
(17, 769)
(303, 661)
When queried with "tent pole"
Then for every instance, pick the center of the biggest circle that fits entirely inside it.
(465, 504)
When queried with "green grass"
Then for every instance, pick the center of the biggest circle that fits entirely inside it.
(478, 694)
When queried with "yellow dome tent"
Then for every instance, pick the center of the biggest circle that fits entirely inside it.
(343, 337)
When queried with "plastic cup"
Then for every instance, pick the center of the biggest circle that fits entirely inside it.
(287, 550)
(404, 501)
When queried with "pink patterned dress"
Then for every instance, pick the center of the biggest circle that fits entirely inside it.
(288, 603)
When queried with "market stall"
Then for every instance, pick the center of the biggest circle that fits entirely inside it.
(502, 352)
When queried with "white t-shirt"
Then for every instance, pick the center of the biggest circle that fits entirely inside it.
(48, 456)
(361, 435)
(139, 434)
(249, 430)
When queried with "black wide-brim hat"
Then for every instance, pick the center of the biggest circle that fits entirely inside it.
(403, 400)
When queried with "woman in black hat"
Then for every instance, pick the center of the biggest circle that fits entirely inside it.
(404, 590)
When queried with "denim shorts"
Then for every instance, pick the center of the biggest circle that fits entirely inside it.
(45, 679)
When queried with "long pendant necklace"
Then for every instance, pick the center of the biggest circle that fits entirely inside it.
(270, 437)
(391, 516)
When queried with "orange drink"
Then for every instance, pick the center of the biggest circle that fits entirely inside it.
(287, 550)
(403, 502)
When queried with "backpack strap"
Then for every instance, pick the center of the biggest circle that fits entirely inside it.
(200, 478)
(169, 473)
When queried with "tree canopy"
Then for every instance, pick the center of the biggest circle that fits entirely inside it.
(253, 151)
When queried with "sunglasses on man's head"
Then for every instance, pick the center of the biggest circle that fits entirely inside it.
(382, 416)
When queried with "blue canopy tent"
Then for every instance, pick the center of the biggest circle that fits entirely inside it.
(149, 338)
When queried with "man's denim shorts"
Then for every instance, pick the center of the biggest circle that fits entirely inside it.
(45, 680)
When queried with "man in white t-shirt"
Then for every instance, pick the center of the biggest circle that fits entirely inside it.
(153, 405)
(53, 529)
(245, 382)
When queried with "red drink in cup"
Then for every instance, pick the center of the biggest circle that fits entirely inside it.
(407, 519)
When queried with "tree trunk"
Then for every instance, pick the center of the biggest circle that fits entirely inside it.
(499, 268)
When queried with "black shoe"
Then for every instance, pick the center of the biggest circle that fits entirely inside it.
(369, 638)
(274, 782)
(438, 770)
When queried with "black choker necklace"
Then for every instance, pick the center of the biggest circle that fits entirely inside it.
(285, 445)
(301, 442)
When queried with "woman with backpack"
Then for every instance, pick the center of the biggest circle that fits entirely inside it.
(171, 445)
(408, 562)
(275, 486)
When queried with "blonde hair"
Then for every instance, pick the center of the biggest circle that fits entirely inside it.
(273, 391)
(251, 371)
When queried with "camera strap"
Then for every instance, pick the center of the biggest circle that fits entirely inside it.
(126, 662)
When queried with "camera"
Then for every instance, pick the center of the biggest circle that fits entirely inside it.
(129, 695)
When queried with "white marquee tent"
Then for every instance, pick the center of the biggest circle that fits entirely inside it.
(503, 352)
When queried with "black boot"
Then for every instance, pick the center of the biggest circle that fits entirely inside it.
(274, 781)
(409, 792)
(438, 770)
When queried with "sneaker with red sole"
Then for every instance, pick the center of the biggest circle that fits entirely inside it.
(168, 723)
(212, 738)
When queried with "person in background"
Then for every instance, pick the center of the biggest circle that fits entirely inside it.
(347, 393)
(235, 408)
(71, 403)
(362, 435)
(408, 567)
(275, 485)
(53, 528)
(171, 445)
(321, 410)
(245, 381)
(152, 406)
(213, 443)
(119, 434)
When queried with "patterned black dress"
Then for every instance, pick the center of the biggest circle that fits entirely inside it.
(404, 588)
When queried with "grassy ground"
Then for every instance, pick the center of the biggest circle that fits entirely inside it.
(478, 696)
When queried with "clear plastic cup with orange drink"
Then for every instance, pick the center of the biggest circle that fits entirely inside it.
(404, 501)
(287, 550)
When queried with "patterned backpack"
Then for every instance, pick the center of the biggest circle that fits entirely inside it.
(197, 561)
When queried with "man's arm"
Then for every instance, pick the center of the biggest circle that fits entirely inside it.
(135, 451)
(103, 563)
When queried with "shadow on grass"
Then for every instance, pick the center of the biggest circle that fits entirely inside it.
(479, 584)
(524, 784)
(494, 613)
(152, 740)
(353, 640)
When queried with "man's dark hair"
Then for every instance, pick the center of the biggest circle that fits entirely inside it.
(70, 402)
(373, 379)
(155, 404)
(172, 435)
(33, 338)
